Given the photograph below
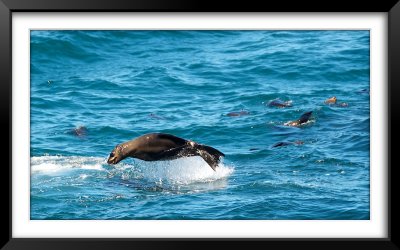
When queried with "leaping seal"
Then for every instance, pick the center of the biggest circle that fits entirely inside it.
(161, 147)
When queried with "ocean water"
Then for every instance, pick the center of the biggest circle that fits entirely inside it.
(91, 90)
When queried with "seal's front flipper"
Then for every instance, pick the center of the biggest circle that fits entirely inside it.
(305, 117)
(175, 153)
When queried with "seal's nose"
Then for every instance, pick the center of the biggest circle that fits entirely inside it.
(110, 160)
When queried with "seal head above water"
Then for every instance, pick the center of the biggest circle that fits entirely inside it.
(333, 102)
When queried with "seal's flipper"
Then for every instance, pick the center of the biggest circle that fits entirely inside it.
(305, 117)
(182, 151)
(211, 150)
(211, 155)
(210, 159)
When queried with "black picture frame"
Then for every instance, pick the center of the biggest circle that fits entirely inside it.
(8, 7)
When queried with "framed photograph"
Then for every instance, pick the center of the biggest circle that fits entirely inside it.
(152, 125)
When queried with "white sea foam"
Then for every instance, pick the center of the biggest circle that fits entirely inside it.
(51, 164)
(309, 122)
(182, 171)
(179, 171)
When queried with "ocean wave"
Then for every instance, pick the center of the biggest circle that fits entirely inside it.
(122, 84)
(62, 50)
(52, 164)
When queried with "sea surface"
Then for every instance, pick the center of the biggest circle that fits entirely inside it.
(91, 90)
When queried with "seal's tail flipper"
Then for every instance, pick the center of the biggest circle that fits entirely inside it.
(211, 155)
(305, 117)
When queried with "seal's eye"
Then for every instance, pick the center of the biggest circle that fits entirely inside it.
(112, 155)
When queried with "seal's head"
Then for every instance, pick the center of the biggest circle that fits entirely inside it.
(331, 100)
(116, 155)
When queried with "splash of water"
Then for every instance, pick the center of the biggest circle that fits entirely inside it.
(51, 164)
(179, 171)
(182, 171)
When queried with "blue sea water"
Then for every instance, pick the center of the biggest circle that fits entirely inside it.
(91, 90)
